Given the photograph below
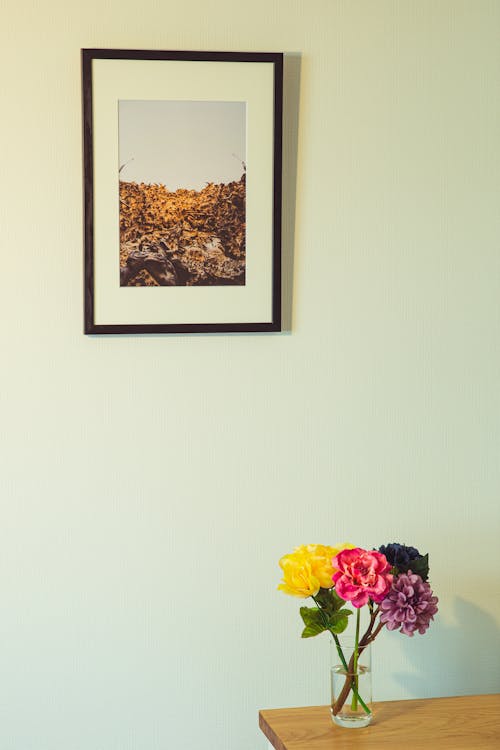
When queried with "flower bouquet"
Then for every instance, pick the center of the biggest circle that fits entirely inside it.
(391, 582)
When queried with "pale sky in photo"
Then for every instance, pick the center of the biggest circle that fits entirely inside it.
(182, 144)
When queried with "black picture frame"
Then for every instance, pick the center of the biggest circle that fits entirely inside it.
(255, 78)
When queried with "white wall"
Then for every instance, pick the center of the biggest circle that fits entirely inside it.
(149, 484)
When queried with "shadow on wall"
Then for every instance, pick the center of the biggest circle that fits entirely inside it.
(460, 660)
(291, 100)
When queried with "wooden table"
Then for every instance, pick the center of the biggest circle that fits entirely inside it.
(462, 723)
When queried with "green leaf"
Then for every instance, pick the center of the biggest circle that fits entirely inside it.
(337, 600)
(339, 620)
(329, 600)
(323, 598)
(339, 625)
(344, 612)
(420, 566)
(313, 621)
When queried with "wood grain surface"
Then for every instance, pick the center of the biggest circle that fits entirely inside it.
(459, 723)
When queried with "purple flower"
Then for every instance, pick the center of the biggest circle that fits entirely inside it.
(402, 558)
(409, 605)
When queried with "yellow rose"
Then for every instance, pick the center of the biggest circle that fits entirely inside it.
(298, 578)
(308, 569)
(321, 562)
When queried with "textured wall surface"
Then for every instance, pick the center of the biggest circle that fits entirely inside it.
(149, 484)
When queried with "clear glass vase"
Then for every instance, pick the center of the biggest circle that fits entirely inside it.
(351, 685)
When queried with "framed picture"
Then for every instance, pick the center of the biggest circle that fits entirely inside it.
(182, 180)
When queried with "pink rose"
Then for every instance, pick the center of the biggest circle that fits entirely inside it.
(361, 575)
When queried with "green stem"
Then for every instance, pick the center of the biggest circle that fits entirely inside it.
(355, 684)
(334, 635)
(354, 687)
(367, 638)
(339, 648)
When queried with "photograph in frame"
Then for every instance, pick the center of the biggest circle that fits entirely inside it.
(182, 178)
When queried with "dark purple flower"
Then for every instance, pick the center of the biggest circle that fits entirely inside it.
(399, 554)
(410, 605)
(402, 558)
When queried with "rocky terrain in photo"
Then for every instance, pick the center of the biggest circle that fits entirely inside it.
(182, 238)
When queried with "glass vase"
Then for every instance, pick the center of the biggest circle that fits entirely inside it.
(351, 685)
